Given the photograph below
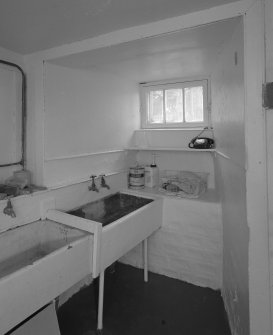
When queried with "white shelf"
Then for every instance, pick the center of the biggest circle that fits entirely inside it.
(211, 195)
(168, 149)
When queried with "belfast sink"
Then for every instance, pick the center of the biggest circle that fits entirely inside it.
(110, 208)
(39, 261)
(118, 223)
(9, 190)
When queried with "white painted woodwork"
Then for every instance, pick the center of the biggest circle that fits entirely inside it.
(165, 138)
(269, 134)
(101, 296)
(11, 56)
(10, 114)
(43, 323)
(8, 139)
(256, 181)
(160, 27)
(27, 285)
(169, 149)
(75, 22)
(145, 259)
(228, 118)
(182, 54)
(269, 40)
(59, 172)
(35, 119)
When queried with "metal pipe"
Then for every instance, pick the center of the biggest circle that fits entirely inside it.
(145, 258)
(24, 114)
(100, 307)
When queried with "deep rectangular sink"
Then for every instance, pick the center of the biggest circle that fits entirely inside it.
(119, 222)
(9, 190)
(25, 245)
(38, 262)
(111, 208)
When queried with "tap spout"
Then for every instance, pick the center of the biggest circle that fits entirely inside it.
(93, 186)
(8, 210)
(103, 183)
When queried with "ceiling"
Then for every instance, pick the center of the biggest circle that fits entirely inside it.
(187, 53)
(27, 26)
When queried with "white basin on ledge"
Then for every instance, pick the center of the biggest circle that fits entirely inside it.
(39, 261)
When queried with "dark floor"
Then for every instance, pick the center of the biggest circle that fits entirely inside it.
(132, 307)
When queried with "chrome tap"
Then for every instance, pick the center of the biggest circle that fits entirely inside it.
(8, 210)
(103, 183)
(93, 186)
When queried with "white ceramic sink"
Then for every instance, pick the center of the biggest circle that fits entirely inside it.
(38, 262)
(118, 223)
(116, 230)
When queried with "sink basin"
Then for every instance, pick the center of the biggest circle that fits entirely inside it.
(119, 222)
(25, 245)
(111, 208)
(38, 262)
(9, 190)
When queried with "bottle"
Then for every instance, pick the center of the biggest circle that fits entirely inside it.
(151, 174)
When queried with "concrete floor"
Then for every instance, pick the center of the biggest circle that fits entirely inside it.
(132, 307)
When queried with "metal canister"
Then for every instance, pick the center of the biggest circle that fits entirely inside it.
(136, 177)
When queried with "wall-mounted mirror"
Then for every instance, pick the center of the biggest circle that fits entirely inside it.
(12, 114)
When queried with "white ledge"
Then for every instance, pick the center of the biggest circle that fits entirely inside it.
(48, 159)
(168, 149)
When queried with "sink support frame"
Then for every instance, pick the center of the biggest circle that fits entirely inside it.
(101, 284)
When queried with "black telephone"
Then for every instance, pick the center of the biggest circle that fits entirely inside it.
(202, 142)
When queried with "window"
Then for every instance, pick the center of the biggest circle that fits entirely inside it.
(174, 104)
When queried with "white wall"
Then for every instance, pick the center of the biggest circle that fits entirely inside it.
(189, 244)
(176, 159)
(11, 56)
(256, 173)
(86, 112)
(228, 121)
(7, 155)
(269, 131)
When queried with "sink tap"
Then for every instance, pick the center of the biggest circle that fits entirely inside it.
(93, 186)
(103, 183)
(8, 210)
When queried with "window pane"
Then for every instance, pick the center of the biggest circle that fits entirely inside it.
(156, 107)
(194, 104)
(174, 105)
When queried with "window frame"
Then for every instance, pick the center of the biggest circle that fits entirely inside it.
(146, 88)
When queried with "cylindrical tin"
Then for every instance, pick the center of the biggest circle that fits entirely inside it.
(136, 177)
(24, 176)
